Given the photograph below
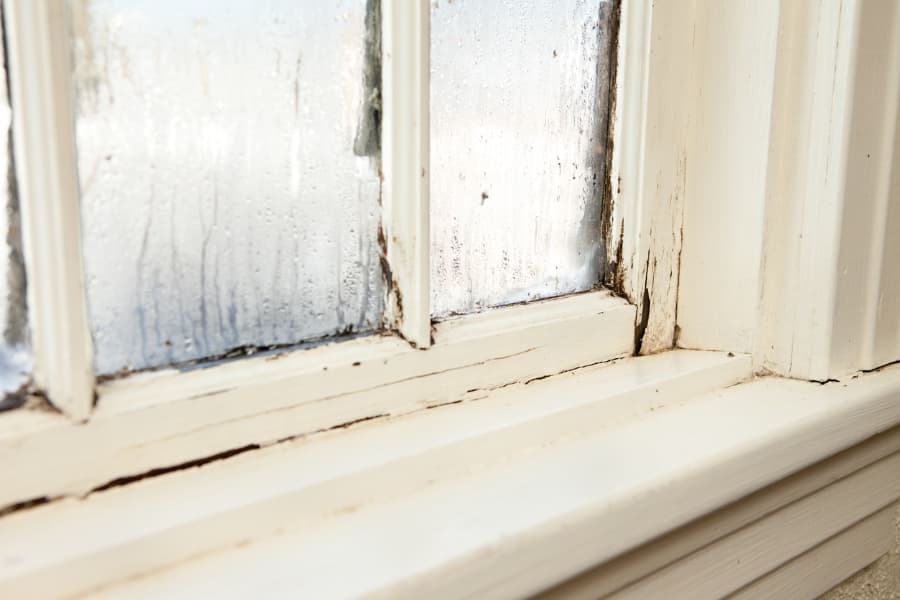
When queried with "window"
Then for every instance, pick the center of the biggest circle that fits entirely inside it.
(741, 230)
(251, 177)
(305, 191)
(228, 199)
(228, 162)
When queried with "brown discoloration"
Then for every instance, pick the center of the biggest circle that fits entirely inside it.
(358, 421)
(24, 505)
(232, 353)
(614, 268)
(431, 406)
(36, 400)
(641, 328)
(614, 272)
(662, 269)
(391, 289)
(179, 467)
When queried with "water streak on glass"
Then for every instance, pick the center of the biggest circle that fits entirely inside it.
(14, 354)
(519, 102)
(222, 202)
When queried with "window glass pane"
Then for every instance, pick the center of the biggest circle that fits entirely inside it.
(14, 355)
(228, 171)
(519, 101)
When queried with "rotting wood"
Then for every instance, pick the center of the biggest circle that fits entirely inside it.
(646, 182)
(663, 266)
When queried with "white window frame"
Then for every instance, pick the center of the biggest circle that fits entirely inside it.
(779, 474)
(261, 399)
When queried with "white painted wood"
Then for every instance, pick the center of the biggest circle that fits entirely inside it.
(44, 152)
(645, 560)
(522, 317)
(727, 162)
(166, 418)
(651, 129)
(405, 85)
(792, 208)
(305, 483)
(738, 559)
(490, 531)
(828, 564)
(867, 283)
(828, 293)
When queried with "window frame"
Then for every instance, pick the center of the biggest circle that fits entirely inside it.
(248, 400)
(697, 54)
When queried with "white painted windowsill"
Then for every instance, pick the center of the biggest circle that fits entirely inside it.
(502, 496)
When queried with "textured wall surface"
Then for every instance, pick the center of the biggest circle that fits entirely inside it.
(878, 581)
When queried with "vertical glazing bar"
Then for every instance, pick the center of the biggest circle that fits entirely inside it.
(405, 77)
(44, 143)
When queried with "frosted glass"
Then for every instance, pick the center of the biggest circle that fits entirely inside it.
(14, 355)
(223, 203)
(519, 99)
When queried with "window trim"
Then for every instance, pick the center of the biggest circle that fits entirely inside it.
(45, 165)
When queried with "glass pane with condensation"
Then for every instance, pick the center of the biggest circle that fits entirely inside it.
(519, 103)
(14, 355)
(228, 172)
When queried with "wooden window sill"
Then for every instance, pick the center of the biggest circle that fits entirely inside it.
(501, 496)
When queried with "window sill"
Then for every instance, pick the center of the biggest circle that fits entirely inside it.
(161, 420)
(500, 497)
